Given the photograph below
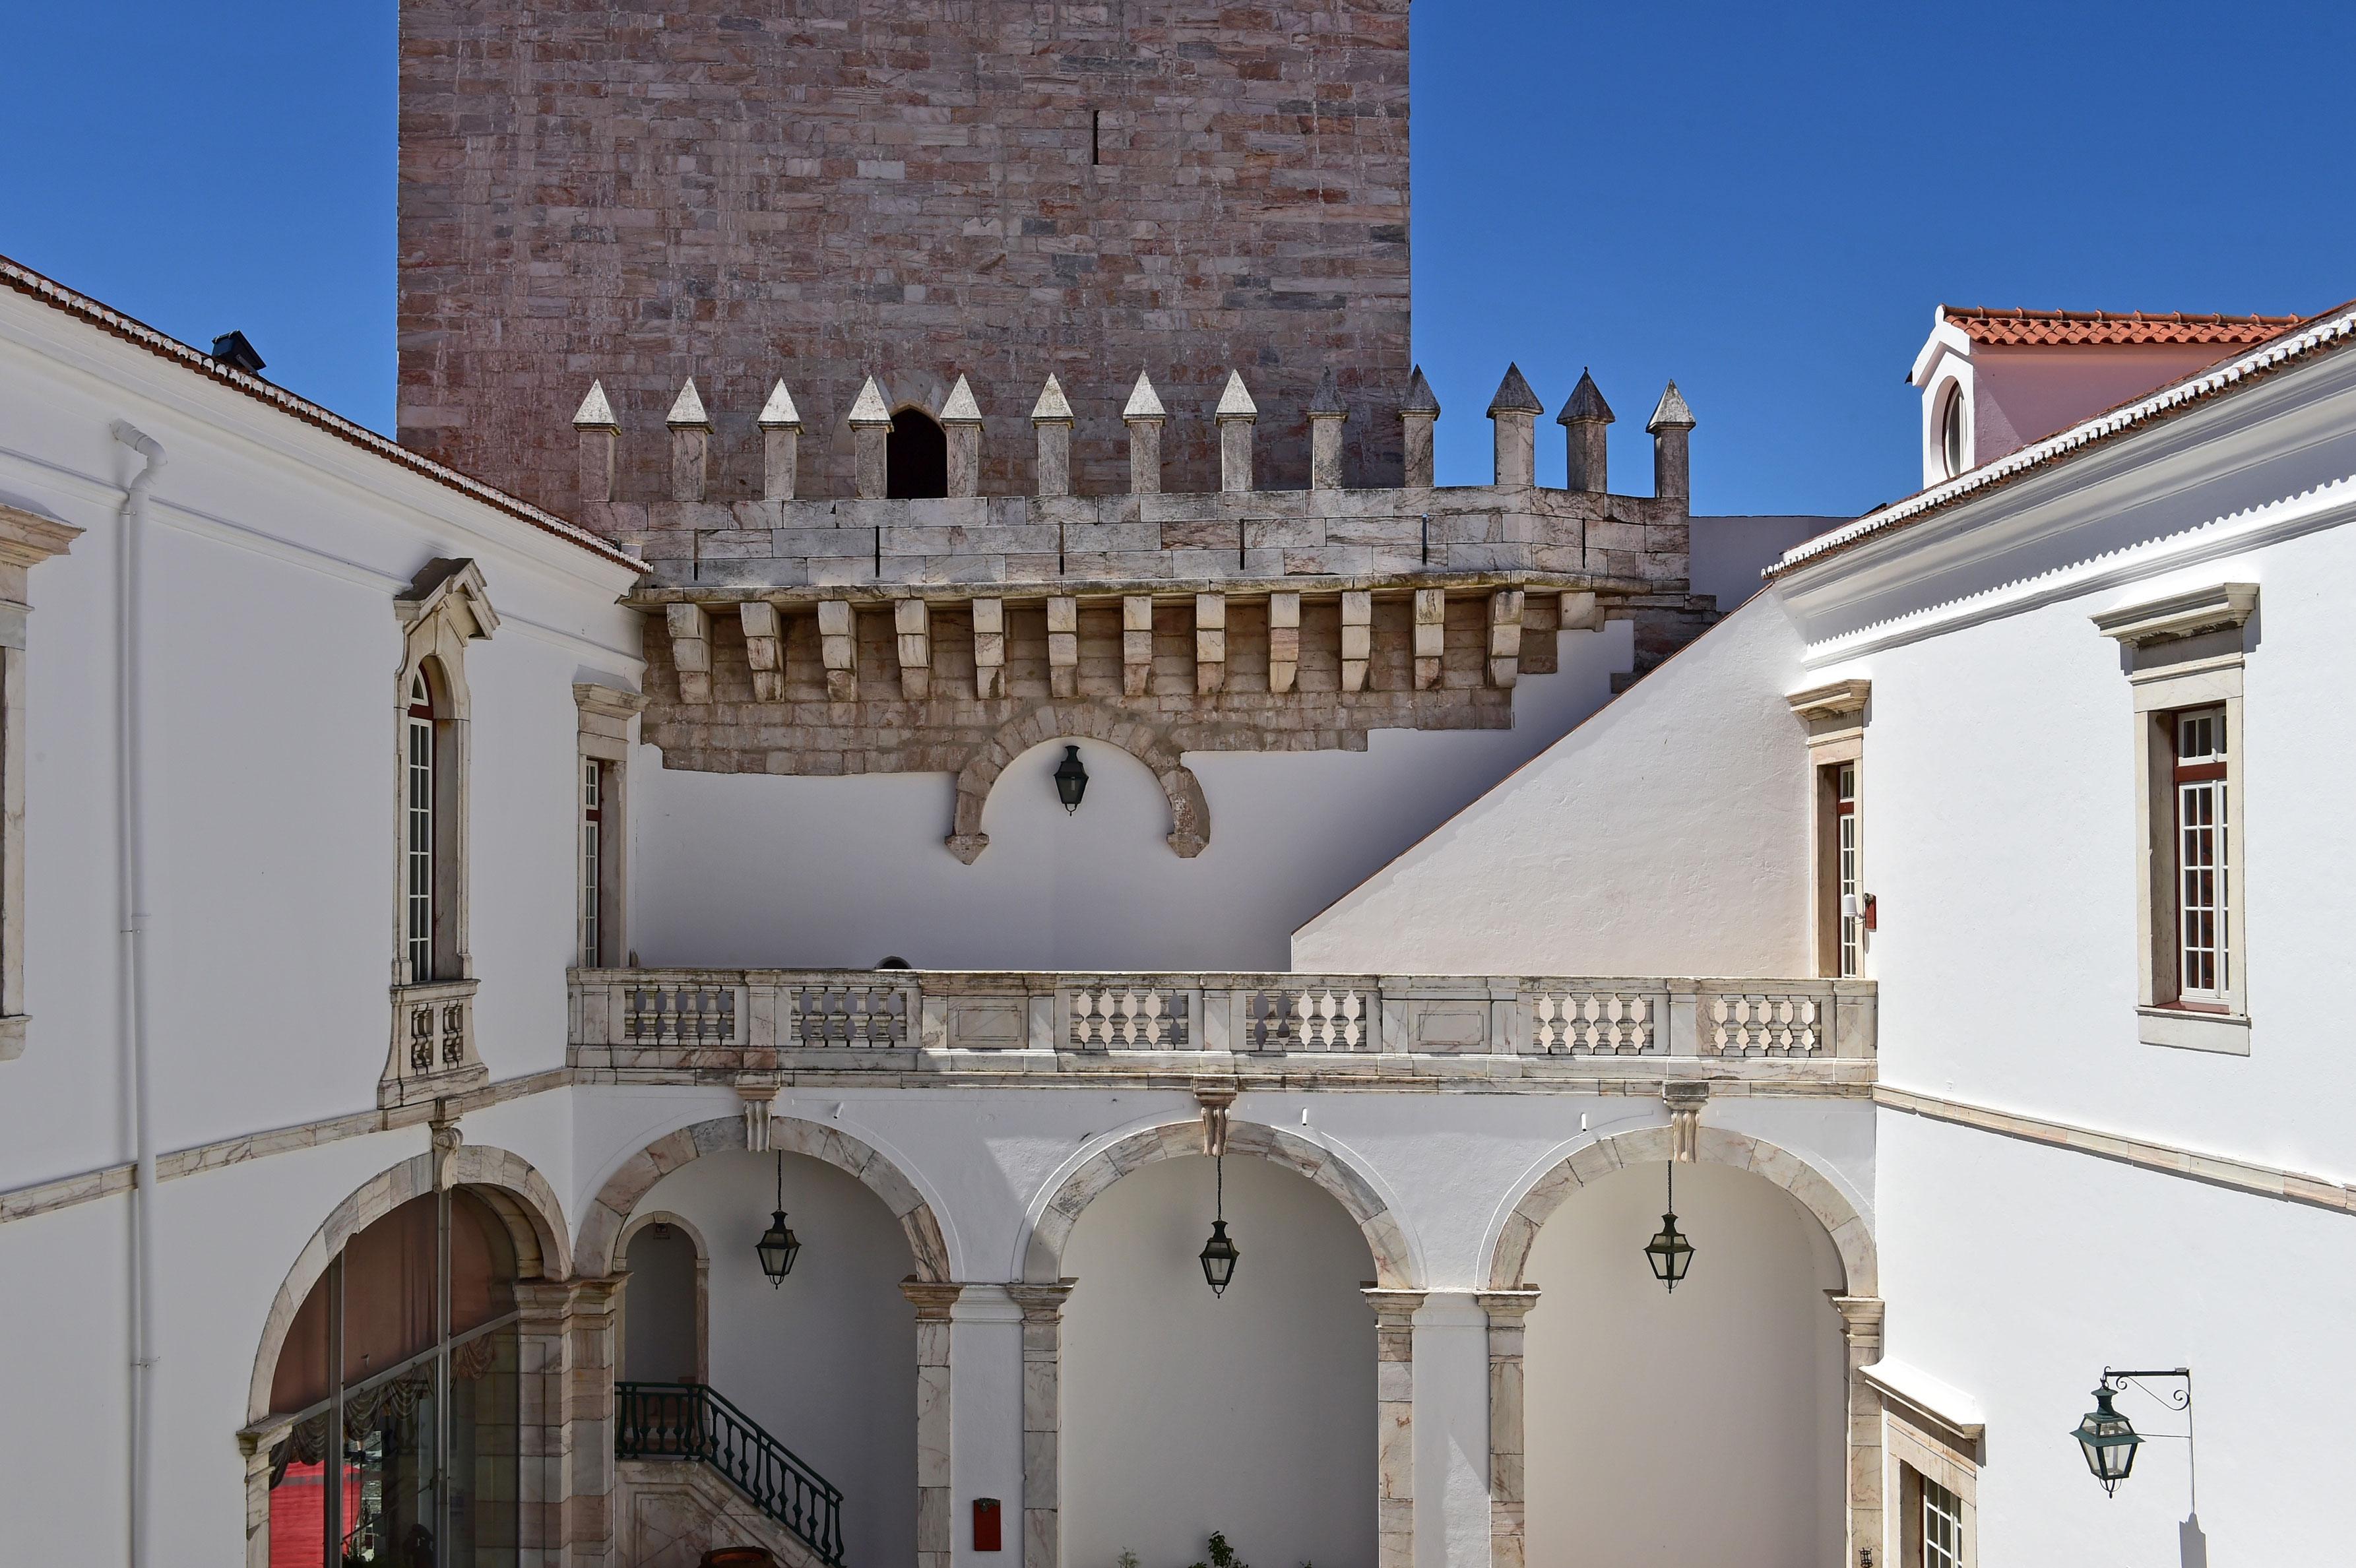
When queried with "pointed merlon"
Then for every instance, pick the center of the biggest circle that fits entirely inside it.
(595, 413)
(1419, 399)
(869, 408)
(1236, 402)
(1586, 405)
(1144, 403)
(1514, 395)
(1671, 413)
(1050, 404)
(687, 410)
(1328, 402)
(778, 413)
(962, 409)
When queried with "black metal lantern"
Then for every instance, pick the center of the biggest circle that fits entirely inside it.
(1218, 1255)
(1669, 1253)
(1071, 780)
(2108, 1440)
(778, 1246)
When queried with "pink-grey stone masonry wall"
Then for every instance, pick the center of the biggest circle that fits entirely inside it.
(820, 189)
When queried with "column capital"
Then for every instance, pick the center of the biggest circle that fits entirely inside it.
(933, 1298)
(1042, 1302)
(1393, 1306)
(1513, 1304)
(1861, 1318)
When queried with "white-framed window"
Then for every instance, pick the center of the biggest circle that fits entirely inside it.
(2204, 863)
(1849, 896)
(1940, 1525)
(1954, 451)
(2184, 658)
(592, 885)
(417, 856)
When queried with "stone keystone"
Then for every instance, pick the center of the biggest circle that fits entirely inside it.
(1586, 404)
(869, 408)
(1050, 404)
(1236, 402)
(595, 413)
(778, 413)
(1143, 402)
(1514, 395)
(1671, 413)
(687, 410)
(962, 409)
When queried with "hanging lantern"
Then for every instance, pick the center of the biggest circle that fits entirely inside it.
(779, 1246)
(1669, 1253)
(2109, 1441)
(1218, 1255)
(1071, 780)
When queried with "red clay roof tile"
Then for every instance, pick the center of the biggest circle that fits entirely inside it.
(2042, 328)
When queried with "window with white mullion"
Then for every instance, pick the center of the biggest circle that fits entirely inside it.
(1852, 922)
(419, 857)
(2203, 858)
(592, 833)
(1943, 1527)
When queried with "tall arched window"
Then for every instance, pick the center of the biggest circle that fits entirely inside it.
(915, 457)
(418, 829)
(401, 1371)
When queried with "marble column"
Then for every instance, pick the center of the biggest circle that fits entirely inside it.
(1861, 1331)
(1507, 1310)
(1395, 1425)
(1043, 1333)
(544, 1315)
(583, 1387)
(935, 1538)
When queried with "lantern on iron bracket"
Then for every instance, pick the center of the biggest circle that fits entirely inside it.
(2109, 1440)
(1218, 1255)
(1669, 1253)
(1071, 780)
(778, 1246)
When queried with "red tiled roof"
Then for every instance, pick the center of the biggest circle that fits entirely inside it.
(2042, 328)
(16, 275)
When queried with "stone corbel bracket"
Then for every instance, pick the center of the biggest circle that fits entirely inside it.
(1215, 1101)
(1685, 1099)
(760, 1101)
(1190, 814)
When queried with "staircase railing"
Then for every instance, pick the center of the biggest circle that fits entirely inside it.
(689, 1420)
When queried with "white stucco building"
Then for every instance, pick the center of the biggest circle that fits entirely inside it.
(443, 945)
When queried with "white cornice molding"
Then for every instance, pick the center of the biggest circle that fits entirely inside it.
(1952, 1408)
(2181, 614)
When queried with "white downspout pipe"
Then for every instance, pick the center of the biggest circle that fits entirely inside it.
(131, 870)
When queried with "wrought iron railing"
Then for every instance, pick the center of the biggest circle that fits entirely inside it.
(691, 1421)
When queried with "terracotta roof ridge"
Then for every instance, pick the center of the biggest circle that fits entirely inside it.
(106, 318)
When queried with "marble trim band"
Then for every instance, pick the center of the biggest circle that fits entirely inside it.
(526, 1203)
(1190, 814)
(601, 1225)
(1042, 1253)
(1717, 1146)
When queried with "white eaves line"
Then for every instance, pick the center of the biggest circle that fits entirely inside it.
(2262, 358)
(2325, 506)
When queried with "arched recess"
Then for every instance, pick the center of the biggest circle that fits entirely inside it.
(1190, 814)
(1851, 1236)
(915, 457)
(1042, 1257)
(506, 1182)
(700, 1286)
(601, 1227)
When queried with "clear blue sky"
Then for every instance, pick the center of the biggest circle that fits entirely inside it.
(1763, 201)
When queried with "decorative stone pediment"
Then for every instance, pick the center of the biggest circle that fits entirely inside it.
(2214, 609)
(451, 587)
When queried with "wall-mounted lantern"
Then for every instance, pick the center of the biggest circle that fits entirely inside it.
(1218, 1255)
(1071, 780)
(1669, 1253)
(2109, 1440)
(778, 1246)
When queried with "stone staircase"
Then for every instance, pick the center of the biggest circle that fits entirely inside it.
(695, 1473)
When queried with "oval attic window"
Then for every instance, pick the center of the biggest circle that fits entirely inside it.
(1950, 431)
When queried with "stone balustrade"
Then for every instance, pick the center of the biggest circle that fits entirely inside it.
(693, 1024)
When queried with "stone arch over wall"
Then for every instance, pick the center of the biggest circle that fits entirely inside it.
(602, 1225)
(1851, 1236)
(1042, 1253)
(1190, 814)
(518, 1194)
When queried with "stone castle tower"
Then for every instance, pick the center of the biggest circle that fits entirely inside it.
(819, 190)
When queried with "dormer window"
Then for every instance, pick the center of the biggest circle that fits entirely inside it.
(1951, 451)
